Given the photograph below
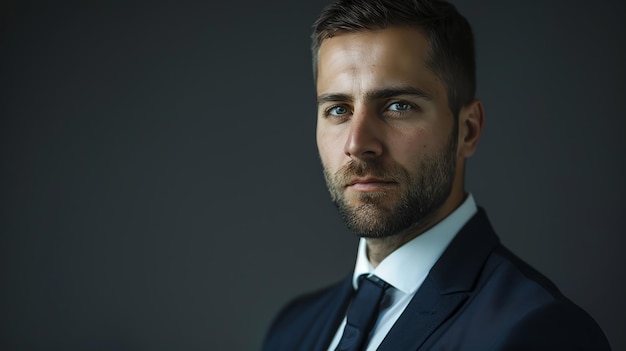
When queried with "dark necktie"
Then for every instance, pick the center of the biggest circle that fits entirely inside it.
(362, 314)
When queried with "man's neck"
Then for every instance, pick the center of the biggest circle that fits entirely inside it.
(379, 248)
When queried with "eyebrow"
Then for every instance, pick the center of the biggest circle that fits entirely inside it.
(378, 94)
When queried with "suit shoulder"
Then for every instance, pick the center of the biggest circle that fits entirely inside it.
(512, 306)
(512, 263)
(537, 311)
(554, 326)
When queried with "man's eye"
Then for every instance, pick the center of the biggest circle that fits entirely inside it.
(337, 110)
(400, 106)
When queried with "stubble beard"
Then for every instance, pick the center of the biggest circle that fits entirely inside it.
(423, 193)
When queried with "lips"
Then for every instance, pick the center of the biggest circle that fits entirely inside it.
(369, 184)
(366, 181)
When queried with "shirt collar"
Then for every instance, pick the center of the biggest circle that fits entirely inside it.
(407, 267)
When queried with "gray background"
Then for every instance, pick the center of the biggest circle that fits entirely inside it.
(160, 187)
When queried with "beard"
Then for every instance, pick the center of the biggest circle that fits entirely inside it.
(412, 206)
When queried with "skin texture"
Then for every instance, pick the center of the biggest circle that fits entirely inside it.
(387, 138)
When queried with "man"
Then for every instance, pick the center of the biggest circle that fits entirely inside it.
(397, 119)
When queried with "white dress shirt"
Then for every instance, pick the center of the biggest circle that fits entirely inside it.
(405, 270)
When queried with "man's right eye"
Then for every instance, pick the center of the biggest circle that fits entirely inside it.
(337, 111)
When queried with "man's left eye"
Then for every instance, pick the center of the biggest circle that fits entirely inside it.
(399, 106)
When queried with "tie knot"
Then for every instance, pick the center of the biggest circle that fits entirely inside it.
(375, 280)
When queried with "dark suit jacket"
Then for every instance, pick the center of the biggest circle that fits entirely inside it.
(478, 296)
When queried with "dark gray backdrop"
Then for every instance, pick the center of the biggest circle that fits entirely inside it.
(160, 187)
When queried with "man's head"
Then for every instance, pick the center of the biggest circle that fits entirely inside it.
(396, 112)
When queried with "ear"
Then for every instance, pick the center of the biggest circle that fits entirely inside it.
(471, 122)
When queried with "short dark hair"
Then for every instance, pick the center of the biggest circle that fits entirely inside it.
(449, 35)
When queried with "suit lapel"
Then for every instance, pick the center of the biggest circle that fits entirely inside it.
(447, 286)
(426, 311)
(331, 312)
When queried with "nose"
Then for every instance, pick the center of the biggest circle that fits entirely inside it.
(364, 137)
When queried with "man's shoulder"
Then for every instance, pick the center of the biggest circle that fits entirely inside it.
(516, 285)
(509, 304)
(513, 269)
(517, 305)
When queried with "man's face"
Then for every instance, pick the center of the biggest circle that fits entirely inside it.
(385, 133)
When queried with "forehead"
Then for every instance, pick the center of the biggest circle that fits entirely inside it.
(396, 55)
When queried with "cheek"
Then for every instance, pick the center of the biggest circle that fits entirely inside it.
(409, 148)
(411, 140)
(331, 149)
(325, 148)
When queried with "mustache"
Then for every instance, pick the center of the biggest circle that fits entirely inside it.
(375, 169)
